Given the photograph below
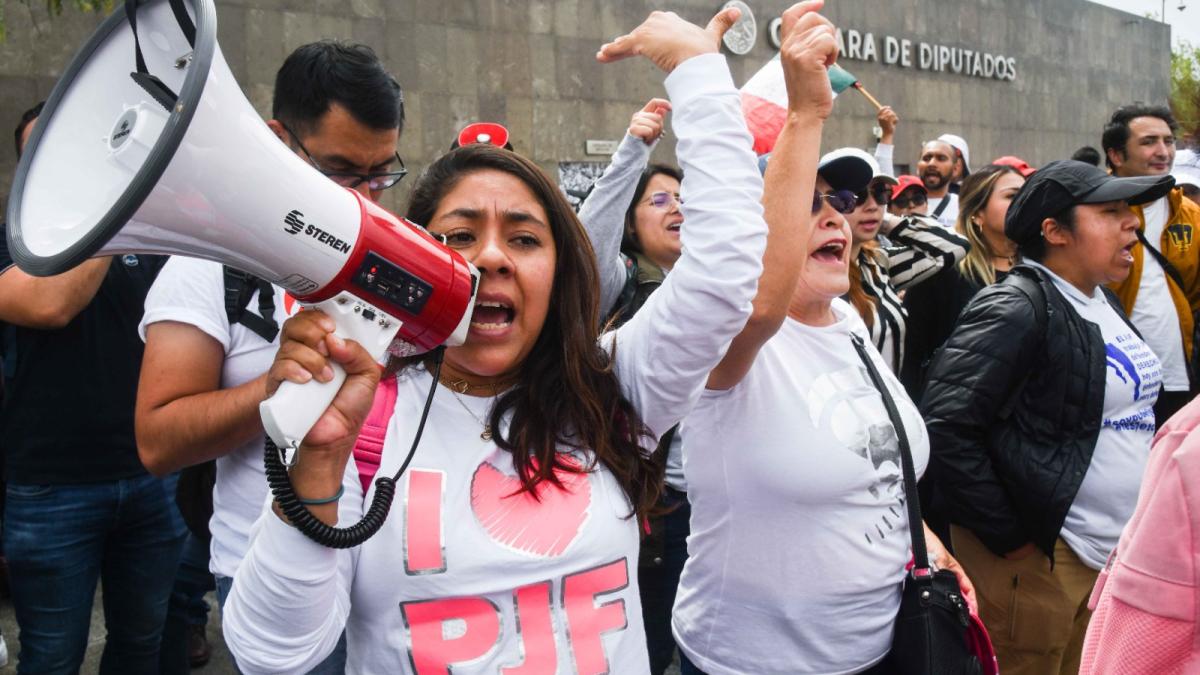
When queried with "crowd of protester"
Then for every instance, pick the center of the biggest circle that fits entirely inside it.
(686, 423)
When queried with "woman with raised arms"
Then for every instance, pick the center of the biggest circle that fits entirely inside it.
(516, 526)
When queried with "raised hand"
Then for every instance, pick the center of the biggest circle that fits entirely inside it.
(647, 123)
(888, 119)
(667, 40)
(809, 48)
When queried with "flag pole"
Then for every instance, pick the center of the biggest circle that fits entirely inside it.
(862, 90)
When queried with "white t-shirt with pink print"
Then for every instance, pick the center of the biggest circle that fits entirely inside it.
(468, 575)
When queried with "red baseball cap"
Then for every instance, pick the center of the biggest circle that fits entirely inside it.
(1017, 163)
(906, 181)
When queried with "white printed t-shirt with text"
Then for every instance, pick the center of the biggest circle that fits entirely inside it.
(468, 575)
(1108, 495)
(799, 530)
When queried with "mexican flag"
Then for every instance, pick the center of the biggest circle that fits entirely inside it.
(764, 101)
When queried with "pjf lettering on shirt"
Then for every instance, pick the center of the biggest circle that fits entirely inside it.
(444, 633)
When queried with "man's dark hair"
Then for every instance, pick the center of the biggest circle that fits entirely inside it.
(1035, 247)
(319, 74)
(27, 118)
(1116, 132)
(1088, 155)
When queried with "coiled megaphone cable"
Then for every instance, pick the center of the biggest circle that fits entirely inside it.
(385, 488)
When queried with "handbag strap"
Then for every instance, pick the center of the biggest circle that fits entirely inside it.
(1170, 270)
(911, 501)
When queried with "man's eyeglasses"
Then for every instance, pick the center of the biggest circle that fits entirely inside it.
(376, 182)
(881, 192)
(663, 200)
(916, 199)
(842, 201)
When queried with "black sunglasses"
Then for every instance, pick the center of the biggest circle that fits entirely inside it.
(882, 192)
(842, 201)
(376, 182)
(917, 199)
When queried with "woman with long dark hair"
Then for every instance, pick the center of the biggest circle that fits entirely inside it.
(517, 522)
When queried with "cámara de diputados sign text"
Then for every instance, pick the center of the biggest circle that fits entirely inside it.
(905, 53)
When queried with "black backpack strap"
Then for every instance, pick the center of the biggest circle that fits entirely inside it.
(1037, 298)
(937, 213)
(239, 288)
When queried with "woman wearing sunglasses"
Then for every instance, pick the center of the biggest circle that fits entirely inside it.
(799, 534)
(909, 197)
(917, 249)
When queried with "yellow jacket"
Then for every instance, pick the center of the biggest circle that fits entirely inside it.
(1180, 247)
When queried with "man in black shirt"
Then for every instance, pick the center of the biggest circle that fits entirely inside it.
(79, 505)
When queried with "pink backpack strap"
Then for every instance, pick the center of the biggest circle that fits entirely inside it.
(368, 449)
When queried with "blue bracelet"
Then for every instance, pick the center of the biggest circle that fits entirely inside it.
(330, 500)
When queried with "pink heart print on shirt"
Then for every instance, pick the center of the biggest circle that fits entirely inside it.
(515, 519)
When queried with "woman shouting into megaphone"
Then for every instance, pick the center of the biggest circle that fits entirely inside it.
(514, 544)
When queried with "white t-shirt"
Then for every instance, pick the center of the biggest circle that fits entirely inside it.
(1109, 492)
(799, 530)
(465, 574)
(1154, 312)
(949, 214)
(192, 291)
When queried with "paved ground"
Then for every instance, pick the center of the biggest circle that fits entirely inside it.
(218, 666)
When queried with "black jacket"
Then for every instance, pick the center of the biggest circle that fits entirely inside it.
(1013, 413)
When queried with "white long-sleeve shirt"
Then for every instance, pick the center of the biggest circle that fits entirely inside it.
(468, 575)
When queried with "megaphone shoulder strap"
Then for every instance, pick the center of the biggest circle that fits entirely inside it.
(152, 84)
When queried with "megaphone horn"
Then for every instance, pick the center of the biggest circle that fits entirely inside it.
(174, 160)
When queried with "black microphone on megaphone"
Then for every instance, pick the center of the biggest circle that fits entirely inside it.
(176, 161)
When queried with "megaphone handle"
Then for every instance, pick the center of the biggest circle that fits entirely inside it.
(294, 408)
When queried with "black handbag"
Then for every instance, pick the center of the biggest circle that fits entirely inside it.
(931, 626)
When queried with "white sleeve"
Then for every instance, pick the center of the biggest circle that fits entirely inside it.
(191, 291)
(883, 155)
(291, 595)
(603, 215)
(666, 351)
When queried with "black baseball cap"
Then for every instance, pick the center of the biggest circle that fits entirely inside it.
(1059, 185)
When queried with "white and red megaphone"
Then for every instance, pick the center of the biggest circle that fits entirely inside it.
(147, 145)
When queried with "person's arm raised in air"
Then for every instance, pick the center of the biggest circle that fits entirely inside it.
(183, 415)
(603, 212)
(886, 147)
(664, 353)
(809, 48)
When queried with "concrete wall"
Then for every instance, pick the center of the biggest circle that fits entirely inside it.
(530, 64)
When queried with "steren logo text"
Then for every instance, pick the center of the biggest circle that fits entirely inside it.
(293, 224)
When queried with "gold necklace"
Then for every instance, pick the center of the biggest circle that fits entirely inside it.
(486, 434)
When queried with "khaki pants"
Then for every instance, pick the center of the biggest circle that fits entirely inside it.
(1037, 617)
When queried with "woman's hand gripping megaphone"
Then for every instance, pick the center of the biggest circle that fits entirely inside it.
(311, 353)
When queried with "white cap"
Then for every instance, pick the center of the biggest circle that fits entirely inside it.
(1187, 168)
(855, 153)
(960, 144)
